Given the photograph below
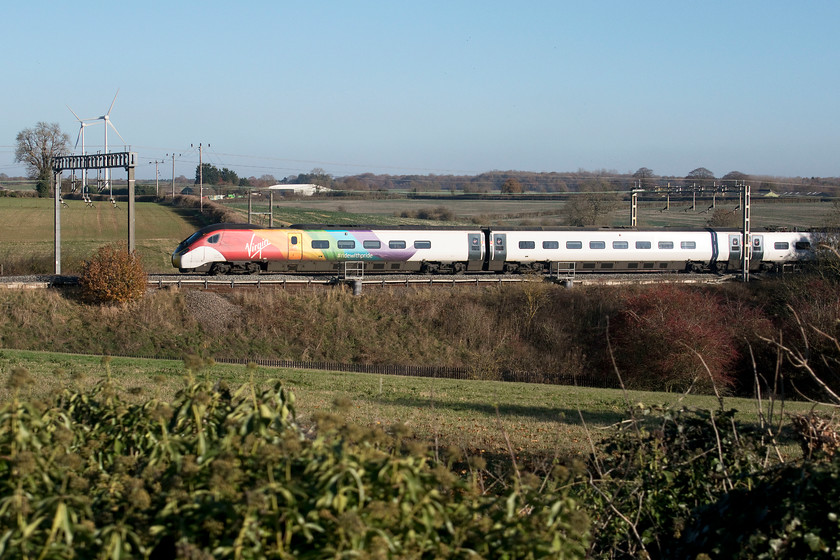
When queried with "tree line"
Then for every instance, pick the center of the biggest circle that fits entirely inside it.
(37, 145)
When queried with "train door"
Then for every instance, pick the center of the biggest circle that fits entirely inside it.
(476, 251)
(295, 245)
(756, 251)
(734, 252)
(498, 251)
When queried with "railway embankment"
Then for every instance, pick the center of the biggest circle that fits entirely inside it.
(535, 331)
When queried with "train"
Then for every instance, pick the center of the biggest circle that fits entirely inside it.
(314, 249)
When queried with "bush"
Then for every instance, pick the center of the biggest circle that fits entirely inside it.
(224, 473)
(792, 513)
(658, 469)
(113, 275)
(662, 333)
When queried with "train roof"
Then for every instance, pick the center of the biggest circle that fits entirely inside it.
(382, 227)
(215, 227)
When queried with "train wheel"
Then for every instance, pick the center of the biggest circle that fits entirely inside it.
(219, 268)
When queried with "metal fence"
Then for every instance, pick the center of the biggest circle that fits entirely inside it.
(440, 372)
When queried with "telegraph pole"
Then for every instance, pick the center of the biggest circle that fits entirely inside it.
(157, 177)
(173, 174)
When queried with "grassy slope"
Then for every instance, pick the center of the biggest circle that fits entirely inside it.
(539, 420)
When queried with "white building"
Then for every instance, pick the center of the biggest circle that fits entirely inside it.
(302, 190)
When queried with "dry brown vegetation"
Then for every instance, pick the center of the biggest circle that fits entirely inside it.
(536, 329)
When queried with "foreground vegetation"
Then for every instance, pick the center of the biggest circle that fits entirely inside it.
(541, 422)
(228, 471)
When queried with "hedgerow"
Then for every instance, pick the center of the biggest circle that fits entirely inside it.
(227, 473)
(693, 484)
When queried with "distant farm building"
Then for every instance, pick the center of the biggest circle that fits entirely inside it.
(307, 189)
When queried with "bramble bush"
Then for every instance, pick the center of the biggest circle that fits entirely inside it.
(113, 275)
(689, 484)
(227, 473)
(662, 332)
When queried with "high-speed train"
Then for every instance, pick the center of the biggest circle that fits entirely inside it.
(250, 249)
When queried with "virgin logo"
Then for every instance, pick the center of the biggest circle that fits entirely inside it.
(255, 249)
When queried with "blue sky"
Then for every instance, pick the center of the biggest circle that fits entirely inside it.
(280, 87)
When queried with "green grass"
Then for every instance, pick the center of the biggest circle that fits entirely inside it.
(27, 231)
(539, 420)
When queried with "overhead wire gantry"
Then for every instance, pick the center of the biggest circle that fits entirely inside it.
(125, 160)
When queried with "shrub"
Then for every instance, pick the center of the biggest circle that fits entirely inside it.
(225, 473)
(792, 513)
(658, 469)
(663, 332)
(113, 275)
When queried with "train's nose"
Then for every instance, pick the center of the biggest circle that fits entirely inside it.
(176, 259)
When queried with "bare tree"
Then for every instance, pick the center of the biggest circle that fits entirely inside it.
(645, 177)
(36, 147)
(512, 186)
(589, 209)
(701, 176)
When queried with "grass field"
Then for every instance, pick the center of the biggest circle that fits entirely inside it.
(764, 213)
(539, 420)
(27, 228)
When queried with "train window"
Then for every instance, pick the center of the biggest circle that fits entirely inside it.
(396, 244)
(781, 245)
(214, 238)
(642, 244)
(294, 240)
(688, 244)
(803, 245)
(551, 244)
(320, 244)
(621, 245)
(422, 244)
(666, 244)
(574, 244)
(597, 245)
(527, 245)
(346, 244)
(371, 244)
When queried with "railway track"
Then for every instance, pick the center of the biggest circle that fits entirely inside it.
(288, 281)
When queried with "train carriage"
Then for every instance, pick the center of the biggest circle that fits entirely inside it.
(246, 248)
(607, 250)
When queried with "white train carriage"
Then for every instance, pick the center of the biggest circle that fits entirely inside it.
(774, 250)
(602, 250)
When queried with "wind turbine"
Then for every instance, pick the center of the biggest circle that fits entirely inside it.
(106, 118)
(81, 137)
